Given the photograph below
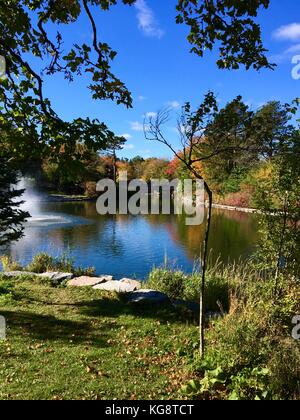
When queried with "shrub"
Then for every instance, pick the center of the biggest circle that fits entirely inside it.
(178, 285)
(6, 287)
(9, 265)
(167, 281)
(91, 189)
(216, 291)
(242, 198)
(6, 291)
(43, 262)
(284, 364)
(252, 345)
(249, 384)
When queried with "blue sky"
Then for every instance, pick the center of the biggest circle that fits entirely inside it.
(155, 63)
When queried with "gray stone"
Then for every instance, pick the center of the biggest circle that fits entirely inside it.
(147, 295)
(134, 283)
(116, 286)
(18, 273)
(85, 281)
(56, 276)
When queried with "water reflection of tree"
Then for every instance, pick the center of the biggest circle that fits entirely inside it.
(101, 235)
(237, 235)
(114, 244)
(233, 234)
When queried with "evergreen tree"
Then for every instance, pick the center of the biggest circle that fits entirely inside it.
(273, 128)
(11, 216)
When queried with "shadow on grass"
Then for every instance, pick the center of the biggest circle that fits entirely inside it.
(115, 308)
(47, 327)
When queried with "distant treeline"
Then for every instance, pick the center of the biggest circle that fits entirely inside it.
(233, 174)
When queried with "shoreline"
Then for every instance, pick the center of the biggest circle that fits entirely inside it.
(69, 199)
(237, 209)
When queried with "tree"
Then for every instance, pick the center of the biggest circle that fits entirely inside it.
(25, 39)
(32, 54)
(230, 25)
(207, 136)
(82, 167)
(126, 166)
(11, 217)
(273, 128)
(115, 144)
(191, 129)
(249, 137)
(137, 164)
(154, 168)
(278, 198)
(278, 190)
(232, 135)
(137, 160)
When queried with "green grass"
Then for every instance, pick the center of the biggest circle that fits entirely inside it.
(42, 263)
(77, 343)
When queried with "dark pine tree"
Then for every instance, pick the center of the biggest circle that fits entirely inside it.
(11, 216)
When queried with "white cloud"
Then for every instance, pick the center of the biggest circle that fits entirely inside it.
(129, 147)
(289, 32)
(174, 104)
(294, 49)
(147, 20)
(136, 126)
(286, 55)
(126, 136)
(142, 98)
(151, 115)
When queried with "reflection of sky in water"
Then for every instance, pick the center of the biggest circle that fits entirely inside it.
(43, 233)
(127, 245)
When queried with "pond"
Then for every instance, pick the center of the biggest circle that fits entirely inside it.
(130, 246)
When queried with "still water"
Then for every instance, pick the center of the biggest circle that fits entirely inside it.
(130, 246)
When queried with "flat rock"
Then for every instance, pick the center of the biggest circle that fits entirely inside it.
(134, 283)
(116, 286)
(18, 273)
(85, 281)
(147, 295)
(56, 276)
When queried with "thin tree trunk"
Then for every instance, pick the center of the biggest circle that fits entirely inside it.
(204, 264)
(280, 256)
(115, 166)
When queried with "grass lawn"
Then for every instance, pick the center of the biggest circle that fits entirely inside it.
(77, 343)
